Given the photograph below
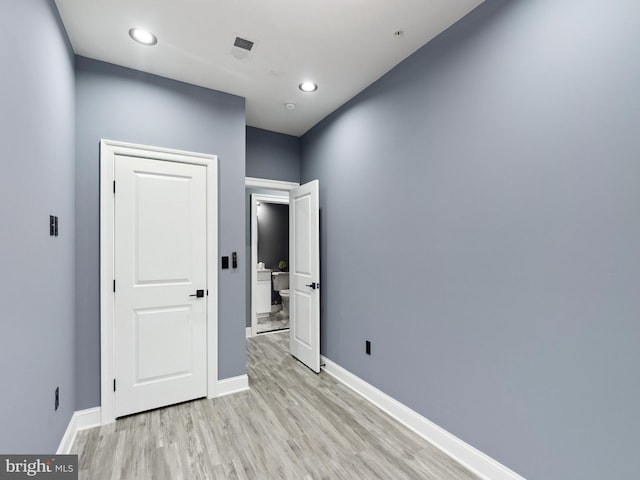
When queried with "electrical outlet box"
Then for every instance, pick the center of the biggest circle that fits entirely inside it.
(367, 347)
(53, 225)
(57, 400)
(225, 262)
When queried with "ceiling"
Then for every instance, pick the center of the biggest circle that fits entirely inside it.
(342, 45)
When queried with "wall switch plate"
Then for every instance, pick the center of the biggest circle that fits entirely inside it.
(367, 347)
(225, 262)
(234, 260)
(53, 225)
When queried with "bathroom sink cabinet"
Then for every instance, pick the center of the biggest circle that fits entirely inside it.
(264, 292)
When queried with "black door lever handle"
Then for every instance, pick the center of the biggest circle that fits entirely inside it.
(313, 285)
(199, 294)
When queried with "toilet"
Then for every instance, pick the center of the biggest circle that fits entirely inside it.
(284, 294)
(281, 285)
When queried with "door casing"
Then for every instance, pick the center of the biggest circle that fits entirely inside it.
(108, 151)
(255, 198)
(285, 188)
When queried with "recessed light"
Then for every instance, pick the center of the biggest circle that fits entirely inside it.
(290, 105)
(308, 87)
(143, 36)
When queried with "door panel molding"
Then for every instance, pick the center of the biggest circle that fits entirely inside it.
(109, 149)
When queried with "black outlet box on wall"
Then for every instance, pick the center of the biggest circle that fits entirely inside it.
(53, 225)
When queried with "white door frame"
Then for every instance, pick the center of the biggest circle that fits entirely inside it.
(108, 151)
(255, 199)
(251, 182)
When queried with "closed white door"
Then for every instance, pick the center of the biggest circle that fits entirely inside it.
(160, 265)
(304, 275)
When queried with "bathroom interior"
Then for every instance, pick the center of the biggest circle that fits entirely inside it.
(272, 266)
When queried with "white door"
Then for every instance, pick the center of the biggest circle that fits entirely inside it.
(304, 275)
(160, 340)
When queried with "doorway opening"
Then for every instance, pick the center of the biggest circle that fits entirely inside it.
(264, 310)
(270, 260)
(304, 268)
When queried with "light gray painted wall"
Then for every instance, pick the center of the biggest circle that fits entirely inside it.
(36, 281)
(480, 226)
(271, 155)
(122, 104)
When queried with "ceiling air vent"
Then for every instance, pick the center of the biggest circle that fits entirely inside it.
(242, 48)
(243, 43)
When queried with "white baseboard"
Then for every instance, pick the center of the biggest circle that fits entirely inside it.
(249, 332)
(232, 385)
(80, 420)
(473, 459)
(92, 417)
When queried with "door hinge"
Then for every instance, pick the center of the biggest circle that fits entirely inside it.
(114, 285)
(114, 384)
(114, 187)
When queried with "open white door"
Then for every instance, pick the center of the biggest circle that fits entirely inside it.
(304, 275)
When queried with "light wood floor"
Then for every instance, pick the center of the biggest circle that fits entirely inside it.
(292, 424)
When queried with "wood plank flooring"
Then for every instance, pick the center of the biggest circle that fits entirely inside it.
(292, 424)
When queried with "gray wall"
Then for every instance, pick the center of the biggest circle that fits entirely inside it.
(480, 226)
(36, 284)
(122, 104)
(272, 155)
(273, 234)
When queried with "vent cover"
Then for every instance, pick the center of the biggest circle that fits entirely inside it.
(242, 49)
(243, 43)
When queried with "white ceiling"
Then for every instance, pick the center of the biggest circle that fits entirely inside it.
(342, 45)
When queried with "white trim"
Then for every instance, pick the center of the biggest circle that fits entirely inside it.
(88, 418)
(476, 461)
(249, 333)
(231, 385)
(252, 182)
(80, 420)
(108, 150)
(255, 198)
(274, 332)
